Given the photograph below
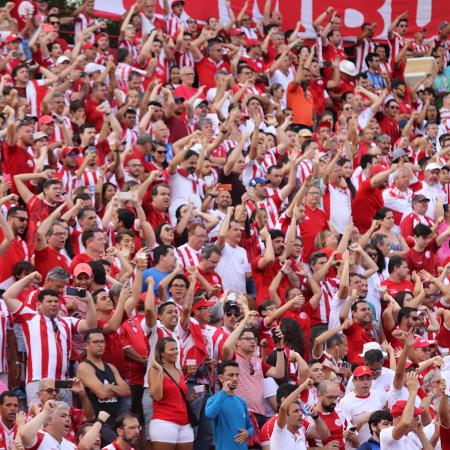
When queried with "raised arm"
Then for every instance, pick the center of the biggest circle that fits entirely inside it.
(11, 294)
(230, 344)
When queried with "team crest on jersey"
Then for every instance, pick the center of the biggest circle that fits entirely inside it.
(338, 422)
(30, 163)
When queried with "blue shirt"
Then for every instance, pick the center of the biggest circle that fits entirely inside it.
(369, 445)
(157, 275)
(228, 415)
(376, 79)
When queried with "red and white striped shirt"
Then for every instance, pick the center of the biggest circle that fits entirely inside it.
(133, 48)
(397, 43)
(185, 59)
(174, 24)
(48, 343)
(188, 256)
(304, 170)
(362, 50)
(122, 74)
(69, 181)
(321, 315)
(272, 206)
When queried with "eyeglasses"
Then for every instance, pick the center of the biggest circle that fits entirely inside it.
(189, 73)
(229, 314)
(394, 107)
(54, 22)
(50, 391)
(61, 234)
(101, 341)
(133, 427)
(248, 338)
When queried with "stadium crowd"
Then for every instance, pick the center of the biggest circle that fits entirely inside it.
(221, 235)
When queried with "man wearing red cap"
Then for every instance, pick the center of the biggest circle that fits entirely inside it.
(368, 199)
(67, 173)
(407, 431)
(362, 402)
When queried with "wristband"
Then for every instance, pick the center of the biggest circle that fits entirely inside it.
(100, 421)
(280, 349)
(315, 417)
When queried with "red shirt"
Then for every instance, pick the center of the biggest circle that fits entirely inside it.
(16, 160)
(133, 336)
(17, 252)
(423, 260)
(315, 221)
(92, 115)
(336, 424)
(389, 126)
(367, 202)
(206, 70)
(186, 92)
(394, 288)
(45, 260)
(212, 278)
(113, 346)
(357, 336)
(154, 216)
(38, 210)
(445, 438)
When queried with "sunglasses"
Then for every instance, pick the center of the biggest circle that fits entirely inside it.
(161, 152)
(229, 314)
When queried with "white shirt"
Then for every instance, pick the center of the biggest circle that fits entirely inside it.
(400, 394)
(408, 442)
(431, 192)
(340, 207)
(232, 268)
(354, 407)
(46, 441)
(283, 439)
(336, 305)
(381, 385)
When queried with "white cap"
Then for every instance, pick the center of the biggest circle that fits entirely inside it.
(372, 346)
(346, 66)
(196, 148)
(61, 59)
(433, 166)
(198, 101)
(91, 68)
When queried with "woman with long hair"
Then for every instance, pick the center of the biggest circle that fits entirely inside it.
(385, 217)
(170, 428)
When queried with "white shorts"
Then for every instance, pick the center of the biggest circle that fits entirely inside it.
(172, 433)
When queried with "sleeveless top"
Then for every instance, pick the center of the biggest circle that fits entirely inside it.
(110, 405)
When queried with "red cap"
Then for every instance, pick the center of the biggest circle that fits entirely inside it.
(13, 38)
(421, 343)
(100, 35)
(420, 30)
(409, 364)
(361, 371)
(378, 168)
(128, 158)
(82, 268)
(325, 124)
(88, 46)
(399, 406)
(236, 32)
(202, 303)
(45, 119)
(252, 43)
(67, 150)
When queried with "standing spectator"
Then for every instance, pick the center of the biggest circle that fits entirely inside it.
(170, 427)
(48, 336)
(228, 412)
(103, 382)
(378, 420)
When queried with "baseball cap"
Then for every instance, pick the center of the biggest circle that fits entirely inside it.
(361, 371)
(257, 180)
(421, 343)
(39, 135)
(433, 166)
(420, 198)
(100, 35)
(82, 268)
(68, 150)
(377, 168)
(305, 132)
(13, 38)
(202, 303)
(253, 43)
(62, 59)
(236, 32)
(372, 346)
(177, 2)
(398, 153)
(230, 305)
(199, 101)
(45, 119)
(398, 407)
(88, 45)
(324, 124)
(91, 68)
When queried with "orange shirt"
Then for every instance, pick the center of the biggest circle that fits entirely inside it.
(302, 106)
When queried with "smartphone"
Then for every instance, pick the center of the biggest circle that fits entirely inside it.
(92, 149)
(304, 408)
(76, 292)
(125, 195)
(63, 384)
(352, 428)
(48, 28)
(275, 338)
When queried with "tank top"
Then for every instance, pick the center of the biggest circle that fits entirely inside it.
(110, 405)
